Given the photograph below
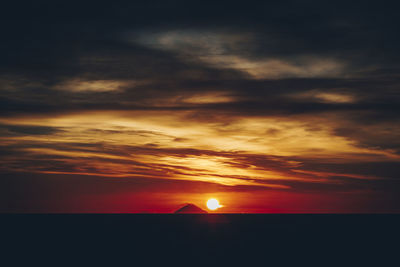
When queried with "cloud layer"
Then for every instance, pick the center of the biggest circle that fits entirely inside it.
(288, 97)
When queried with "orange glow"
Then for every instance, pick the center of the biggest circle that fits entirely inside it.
(167, 110)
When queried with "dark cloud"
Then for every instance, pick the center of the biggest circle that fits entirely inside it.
(18, 130)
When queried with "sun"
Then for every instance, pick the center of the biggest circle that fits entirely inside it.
(213, 204)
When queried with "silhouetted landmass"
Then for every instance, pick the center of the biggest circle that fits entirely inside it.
(190, 209)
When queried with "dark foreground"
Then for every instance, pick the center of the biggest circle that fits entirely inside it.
(202, 239)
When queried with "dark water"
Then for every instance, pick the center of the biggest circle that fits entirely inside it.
(247, 240)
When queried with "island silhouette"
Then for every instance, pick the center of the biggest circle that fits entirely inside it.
(190, 208)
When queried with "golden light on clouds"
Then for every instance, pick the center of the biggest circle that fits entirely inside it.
(325, 96)
(79, 85)
(272, 136)
(209, 98)
(172, 146)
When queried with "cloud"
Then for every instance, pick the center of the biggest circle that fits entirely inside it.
(225, 50)
(21, 130)
(278, 96)
(325, 96)
(91, 86)
(250, 151)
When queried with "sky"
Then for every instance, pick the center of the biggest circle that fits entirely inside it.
(141, 107)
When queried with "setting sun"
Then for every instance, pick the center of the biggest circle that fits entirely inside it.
(213, 204)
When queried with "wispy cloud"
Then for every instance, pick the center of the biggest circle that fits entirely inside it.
(227, 50)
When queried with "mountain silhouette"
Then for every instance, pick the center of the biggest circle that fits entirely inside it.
(190, 208)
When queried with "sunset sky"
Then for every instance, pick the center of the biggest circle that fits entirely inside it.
(279, 106)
